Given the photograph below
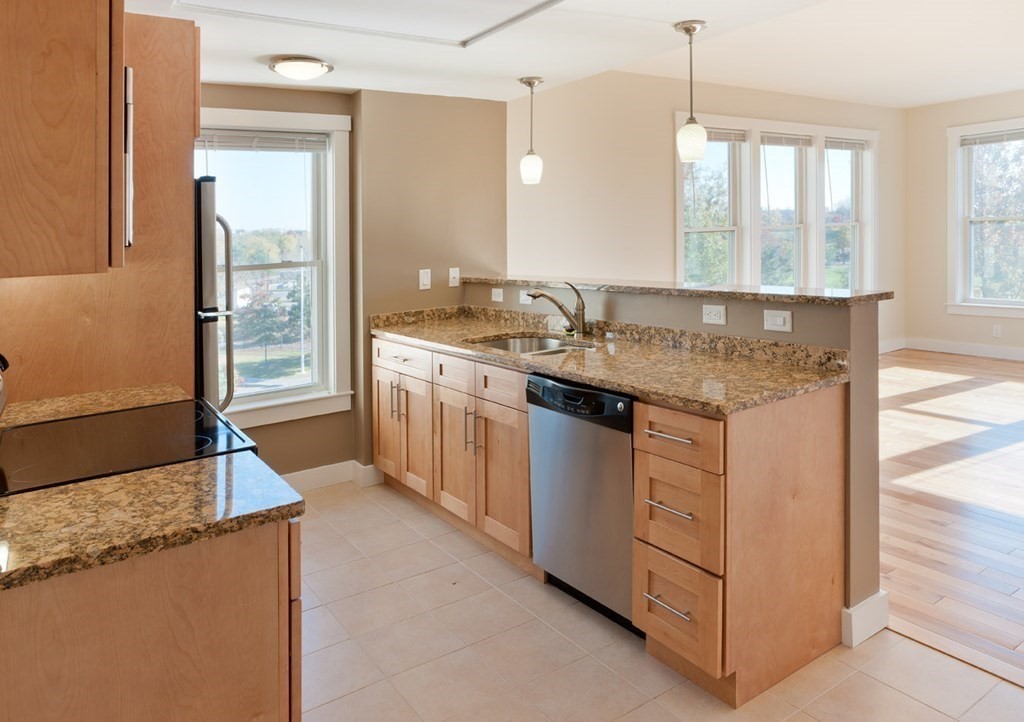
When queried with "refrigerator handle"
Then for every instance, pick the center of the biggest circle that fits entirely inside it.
(229, 319)
(129, 157)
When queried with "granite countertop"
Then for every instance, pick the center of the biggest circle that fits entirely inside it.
(775, 294)
(59, 530)
(707, 382)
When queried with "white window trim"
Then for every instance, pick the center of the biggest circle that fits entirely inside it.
(748, 243)
(956, 242)
(338, 377)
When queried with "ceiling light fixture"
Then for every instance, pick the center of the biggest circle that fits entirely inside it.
(299, 67)
(531, 167)
(691, 139)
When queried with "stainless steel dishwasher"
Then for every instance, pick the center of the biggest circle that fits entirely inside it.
(581, 488)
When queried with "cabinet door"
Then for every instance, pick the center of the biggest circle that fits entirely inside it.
(55, 135)
(414, 411)
(454, 449)
(387, 437)
(503, 474)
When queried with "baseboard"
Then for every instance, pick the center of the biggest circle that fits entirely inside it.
(886, 345)
(366, 475)
(866, 618)
(1008, 353)
(321, 476)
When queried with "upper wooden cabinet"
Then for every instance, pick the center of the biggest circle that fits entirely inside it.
(61, 136)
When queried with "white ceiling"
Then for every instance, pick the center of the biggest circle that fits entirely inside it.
(888, 52)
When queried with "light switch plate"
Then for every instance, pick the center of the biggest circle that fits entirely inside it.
(714, 315)
(524, 298)
(781, 321)
(497, 295)
(424, 279)
(454, 277)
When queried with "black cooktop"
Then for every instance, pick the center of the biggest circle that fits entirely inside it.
(117, 442)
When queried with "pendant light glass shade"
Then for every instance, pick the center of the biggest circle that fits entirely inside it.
(531, 168)
(691, 141)
(692, 138)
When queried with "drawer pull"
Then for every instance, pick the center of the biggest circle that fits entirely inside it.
(668, 437)
(685, 514)
(400, 359)
(685, 616)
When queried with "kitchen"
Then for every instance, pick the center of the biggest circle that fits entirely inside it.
(455, 173)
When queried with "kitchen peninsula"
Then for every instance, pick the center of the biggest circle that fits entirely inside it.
(747, 436)
(159, 594)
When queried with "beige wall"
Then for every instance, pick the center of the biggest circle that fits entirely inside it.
(317, 440)
(606, 206)
(429, 174)
(928, 324)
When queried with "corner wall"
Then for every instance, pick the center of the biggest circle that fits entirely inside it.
(606, 206)
(929, 326)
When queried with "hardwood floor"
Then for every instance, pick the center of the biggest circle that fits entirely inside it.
(952, 504)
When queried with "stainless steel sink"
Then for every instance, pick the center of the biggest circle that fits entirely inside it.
(534, 345)
(526, 344)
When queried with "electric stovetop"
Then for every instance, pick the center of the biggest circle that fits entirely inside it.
(117, 442)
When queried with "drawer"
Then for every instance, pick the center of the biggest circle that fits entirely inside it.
(408, 360)
(454, 373)
(679, 436)
(679, 509)
(502, 386)
(679, 605)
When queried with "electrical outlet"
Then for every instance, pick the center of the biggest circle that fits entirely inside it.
(424, 279)
(714, 315)
(454, 277)
(781, 321)
(524, 298)
(997, 330)
(497, 295)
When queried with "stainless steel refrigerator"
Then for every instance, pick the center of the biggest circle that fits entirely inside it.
(215, 367)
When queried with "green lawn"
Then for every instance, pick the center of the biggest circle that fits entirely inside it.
(280, 365)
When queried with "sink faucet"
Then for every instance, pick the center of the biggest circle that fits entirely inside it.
(576, 318)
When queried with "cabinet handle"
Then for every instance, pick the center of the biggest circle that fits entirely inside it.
(685, 616)
(400, 392)
(466, 441)
(129, 157)
(685, 514)
(668, 437)
(391, 400)
(401, 359)
(477, 417)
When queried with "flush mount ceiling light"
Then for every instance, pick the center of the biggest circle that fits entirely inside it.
(692, 139)
(531, 167)
(299, 67)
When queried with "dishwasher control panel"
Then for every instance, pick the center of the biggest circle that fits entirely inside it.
(602, 407)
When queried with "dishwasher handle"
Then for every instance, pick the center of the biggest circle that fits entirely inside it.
(595, 405)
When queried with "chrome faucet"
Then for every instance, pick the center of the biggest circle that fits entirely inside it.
(576, 318)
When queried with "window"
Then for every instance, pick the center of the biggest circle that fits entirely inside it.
(778, 204)
(711, 211)
(987, 235)
(782, 208)
(285, 195)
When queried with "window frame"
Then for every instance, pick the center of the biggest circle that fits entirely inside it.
(812, 259)
(335, 385)
(958, 256)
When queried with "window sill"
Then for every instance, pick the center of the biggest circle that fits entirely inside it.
(985, 309)
(249, 414)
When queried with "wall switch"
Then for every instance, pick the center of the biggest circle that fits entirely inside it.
(778, 321)
(424, 279)
(997, 330)
(497, 295)
(454, 277)
(714, 315)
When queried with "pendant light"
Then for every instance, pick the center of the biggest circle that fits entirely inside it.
(531, 167)
(691, 139)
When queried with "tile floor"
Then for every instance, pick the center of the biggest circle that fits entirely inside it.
(406, 618)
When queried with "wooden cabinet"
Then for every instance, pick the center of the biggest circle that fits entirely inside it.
(402, 423)
(61, 110)
(461, 440)
(738, 562)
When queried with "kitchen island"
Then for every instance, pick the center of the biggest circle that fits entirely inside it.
(163, 594)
